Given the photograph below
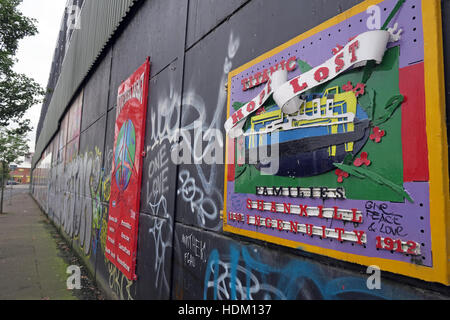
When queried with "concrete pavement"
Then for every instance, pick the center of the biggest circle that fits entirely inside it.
(31, 267)
(11, 190)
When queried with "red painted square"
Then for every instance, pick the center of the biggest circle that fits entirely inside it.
(414, 136)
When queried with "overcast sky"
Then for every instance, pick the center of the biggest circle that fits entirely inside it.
(35, 54)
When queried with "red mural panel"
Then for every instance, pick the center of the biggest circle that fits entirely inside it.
(121, 241)
(414, 136)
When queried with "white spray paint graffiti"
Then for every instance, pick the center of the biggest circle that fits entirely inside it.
(204, 197)
(70, 198)
(205, 201)
(161, 232)
(165, 119)
(157, 182)
(204, 206)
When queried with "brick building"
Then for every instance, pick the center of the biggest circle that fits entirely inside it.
(21, 175)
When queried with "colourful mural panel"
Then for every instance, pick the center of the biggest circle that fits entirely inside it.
(126, 171)
(328, 141)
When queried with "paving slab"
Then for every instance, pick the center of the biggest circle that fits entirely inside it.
(31, 267)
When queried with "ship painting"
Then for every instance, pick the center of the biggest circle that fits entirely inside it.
(323, 131)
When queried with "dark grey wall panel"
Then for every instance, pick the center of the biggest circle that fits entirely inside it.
(96, 93)
(159, 171)
(204, 15)
(200, 180)
(93, 137)
(274, 24)
(91, 152)
(157, 31)
(154, 256)
(214, 267)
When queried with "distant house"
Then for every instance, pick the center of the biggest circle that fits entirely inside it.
(22, 173)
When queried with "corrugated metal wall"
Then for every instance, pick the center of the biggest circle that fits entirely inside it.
(99, 20)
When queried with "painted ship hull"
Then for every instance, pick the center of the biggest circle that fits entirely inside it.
(322, 135)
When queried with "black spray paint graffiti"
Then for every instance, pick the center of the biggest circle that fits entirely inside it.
(383, 221)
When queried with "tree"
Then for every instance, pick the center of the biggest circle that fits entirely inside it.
(13, 145)
(17, 91)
